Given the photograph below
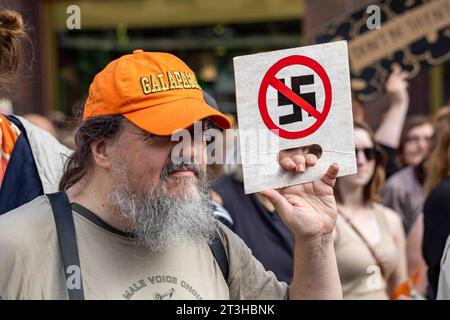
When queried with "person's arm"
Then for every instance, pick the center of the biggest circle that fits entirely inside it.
(401, 271)
(390, 129)
(315, 270)
(416, 263)
(309, 211)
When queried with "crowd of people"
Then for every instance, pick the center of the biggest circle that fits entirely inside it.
(100, 209)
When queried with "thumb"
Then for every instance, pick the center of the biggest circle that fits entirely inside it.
(330, 176)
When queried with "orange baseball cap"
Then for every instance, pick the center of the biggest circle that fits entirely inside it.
(156, 91)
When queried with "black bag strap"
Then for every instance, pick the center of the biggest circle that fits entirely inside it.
(219, 253)
(65, 228)
(366, 242)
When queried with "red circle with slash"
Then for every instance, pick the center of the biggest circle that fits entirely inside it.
(270, 79)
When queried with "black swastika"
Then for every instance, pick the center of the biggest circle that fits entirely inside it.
(310, 97)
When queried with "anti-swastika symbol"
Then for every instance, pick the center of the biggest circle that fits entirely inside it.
(310, 97)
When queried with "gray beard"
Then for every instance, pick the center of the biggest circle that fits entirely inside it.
(159, 220)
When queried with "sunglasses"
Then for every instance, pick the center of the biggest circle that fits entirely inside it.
(369, 153)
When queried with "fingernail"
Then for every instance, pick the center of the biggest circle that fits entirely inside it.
(292, 164)
(301, 167)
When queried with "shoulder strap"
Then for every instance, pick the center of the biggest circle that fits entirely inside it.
(16, 122)
(65, 227)
(218, 251)
(366, 242)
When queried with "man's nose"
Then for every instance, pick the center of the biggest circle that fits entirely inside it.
(190, 149)
(191, 153)
(360, 158)
(183, 152)
(423, 143)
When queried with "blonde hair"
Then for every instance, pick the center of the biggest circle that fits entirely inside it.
(438, 163)
(371, 191)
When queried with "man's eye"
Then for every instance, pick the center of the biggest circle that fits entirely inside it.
(149, 141)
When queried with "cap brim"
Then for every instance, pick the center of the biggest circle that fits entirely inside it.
(164, 119)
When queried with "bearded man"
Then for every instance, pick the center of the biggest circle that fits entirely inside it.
(143, 222)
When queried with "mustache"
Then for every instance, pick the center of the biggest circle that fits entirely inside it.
(173, 167)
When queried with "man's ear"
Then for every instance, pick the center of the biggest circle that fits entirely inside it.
(102, 152)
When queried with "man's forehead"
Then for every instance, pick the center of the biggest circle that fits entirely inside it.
(130, 127)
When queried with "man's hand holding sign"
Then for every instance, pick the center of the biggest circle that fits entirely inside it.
(314, 109)
(309, 211)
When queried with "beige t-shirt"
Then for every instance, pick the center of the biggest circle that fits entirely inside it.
(360, 275)
(113, 267)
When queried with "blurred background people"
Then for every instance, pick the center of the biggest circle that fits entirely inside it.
(369, 237)
(437, 204)
(389, 131)
(415, 141)
(403, 190)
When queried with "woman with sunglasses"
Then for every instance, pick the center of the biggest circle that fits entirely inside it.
(369, 237)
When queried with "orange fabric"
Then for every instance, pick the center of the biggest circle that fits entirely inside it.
(156, 91)
(8, 137)
(405, 289)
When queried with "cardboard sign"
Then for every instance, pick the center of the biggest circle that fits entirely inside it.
(294, 98)
(413, 34)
